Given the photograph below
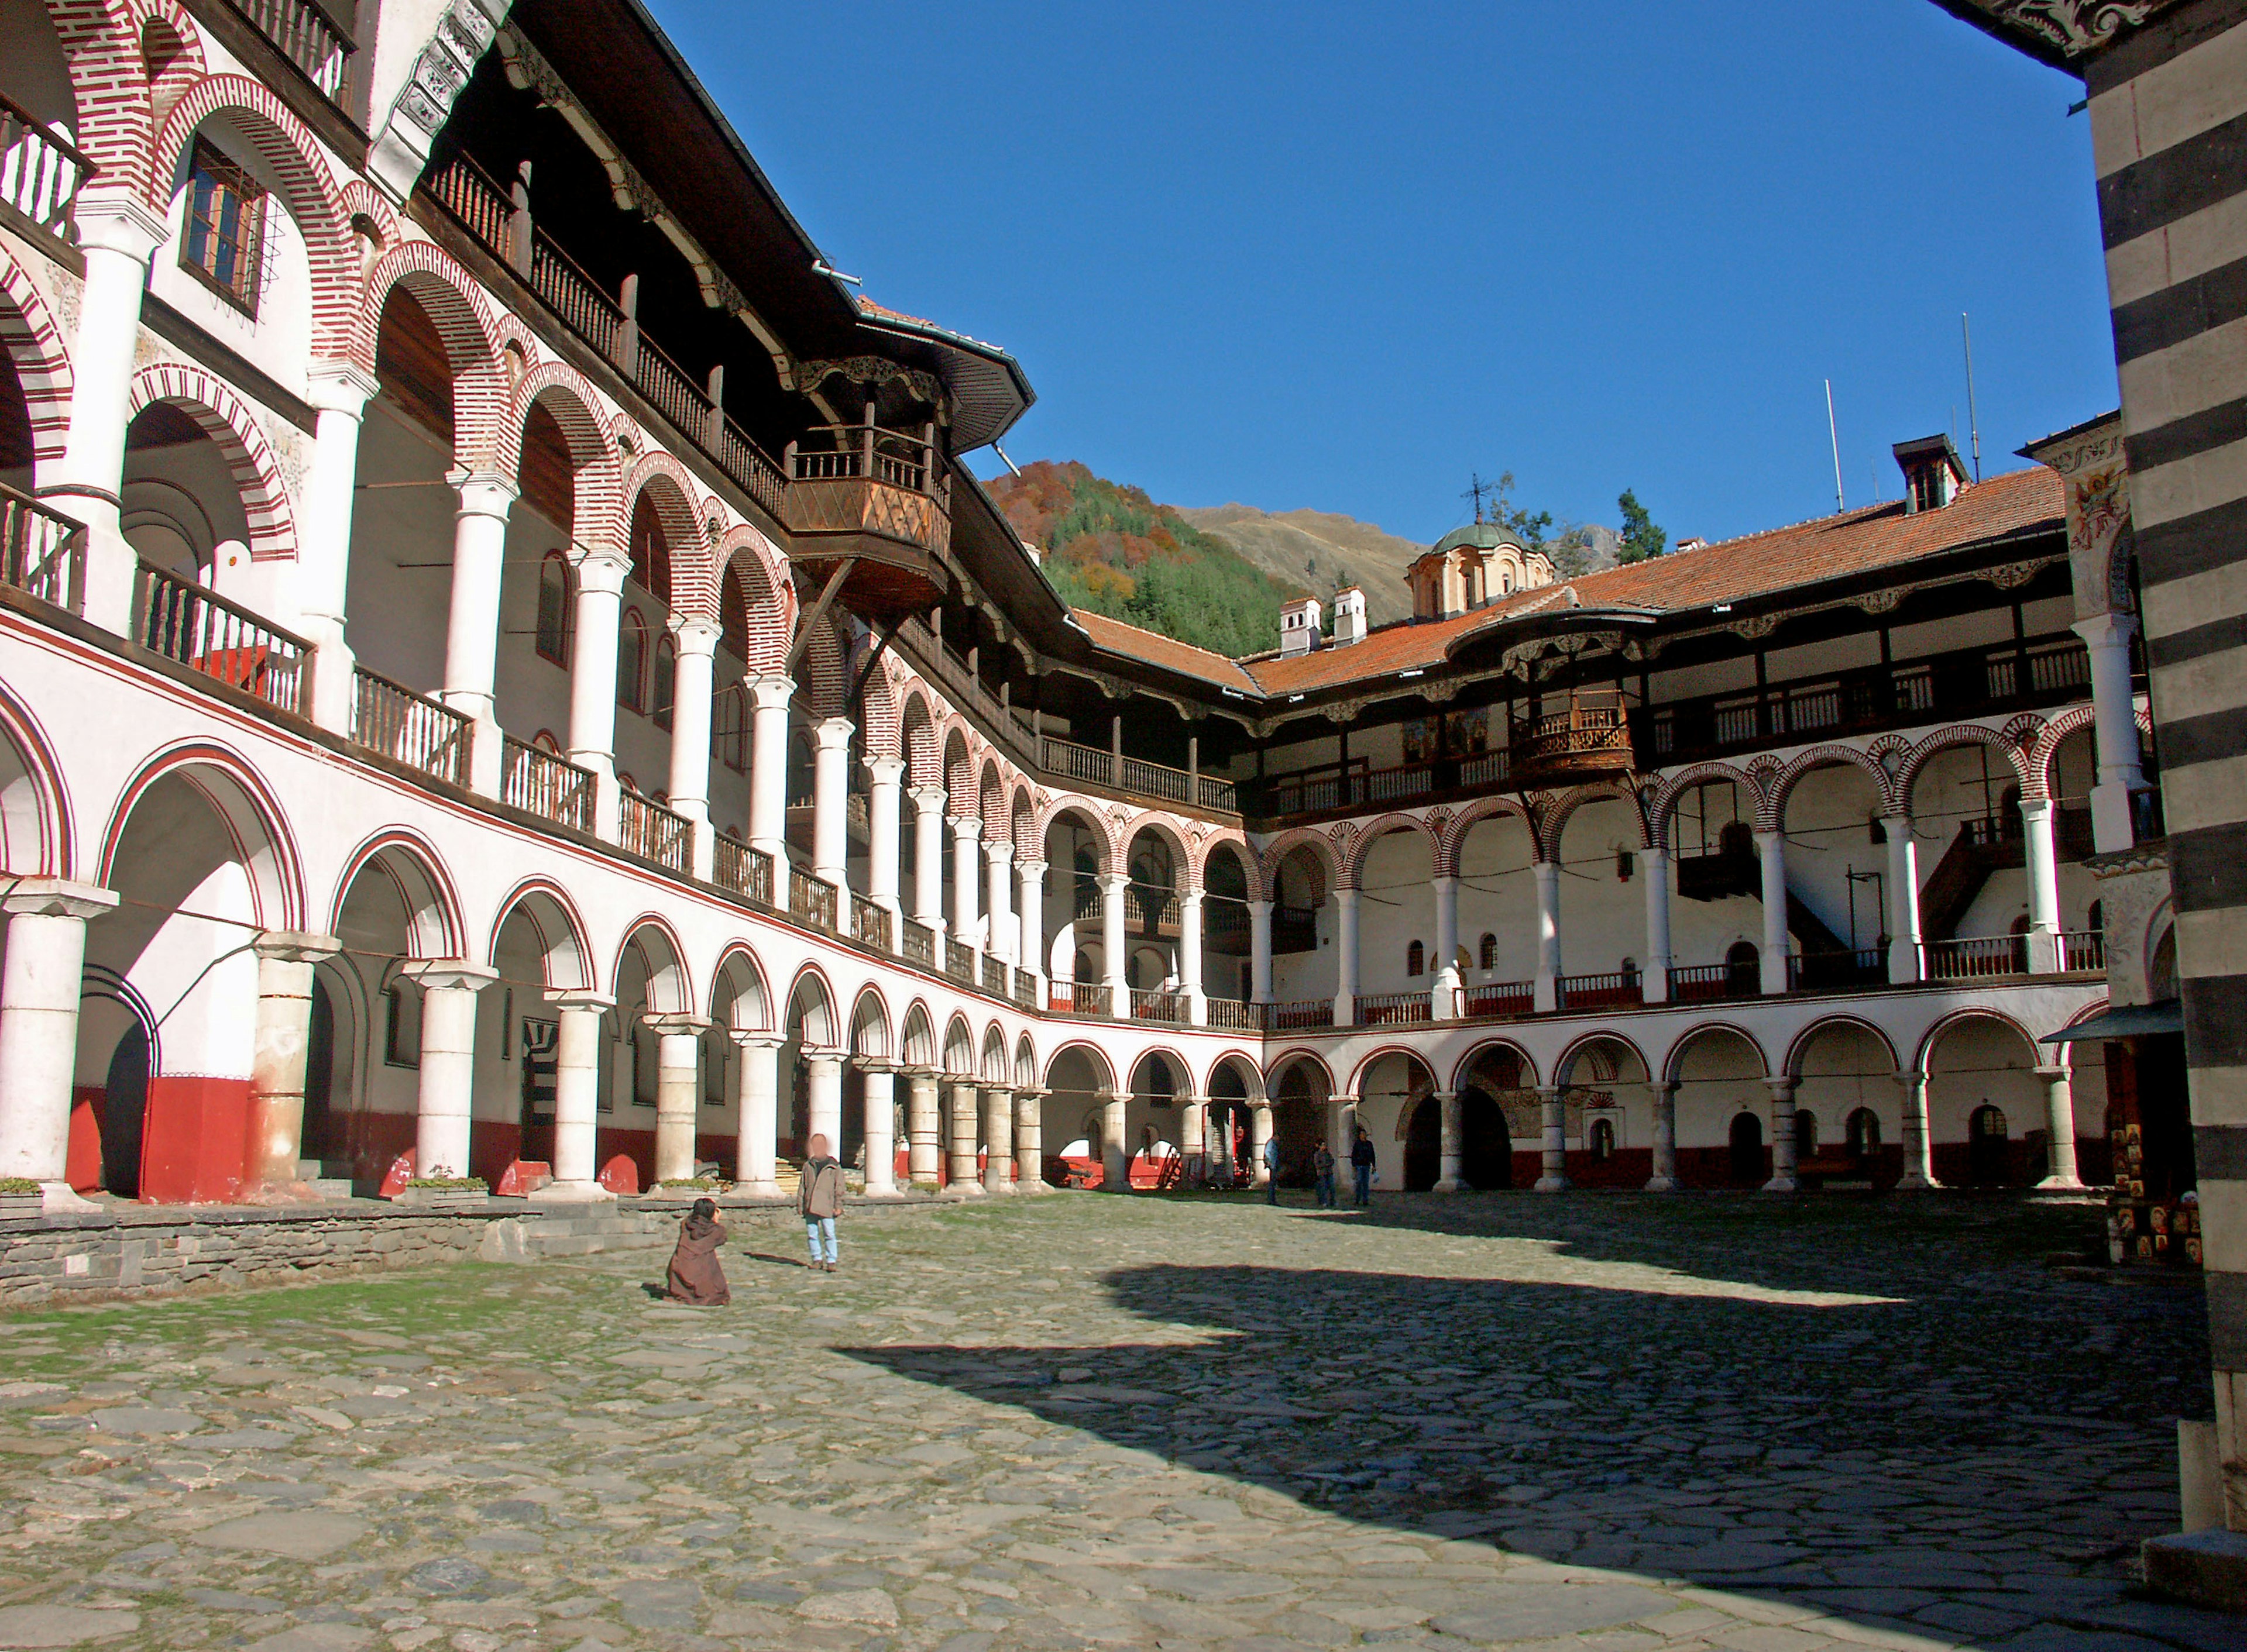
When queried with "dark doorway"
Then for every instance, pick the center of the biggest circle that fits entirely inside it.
(1423, 1146)
(1296, 1122)
(1743, 970)
(124, 1112)
(1485, 1148)
(320, 1137)
(1988, 1148)
(1747, 1169)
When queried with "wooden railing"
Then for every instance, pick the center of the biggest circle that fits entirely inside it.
(42, 552)
(959, 959)
(994, 975)
(1310, 1012)
(2083, 951)
(574, 295)
(1233, 1016)
(1026, 989)
(1838, 972)
(1406, 780)
(1392, 1009)
(654, 833)
(1498, 1000)
(1072, 761)
(409, 728)
(183, 622)
(1218, 794)
(1145, 779)
(484, 209)
(1610, 990)
(40, 173)
(744, 870)
(1080, 997)
(1976, 958)
(1156, 1004)
(306, 35)
(1695, 983)
(870, 923)
(543, 784)
(917, 944)
(811, 901)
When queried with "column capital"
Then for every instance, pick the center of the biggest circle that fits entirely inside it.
(1031, 868)
(968, 825)
(2112, 629)
(2053, 1075)
(915, 1069)
(118, 221)
(56, 897)
(1549, 1092)
(340, 386)
(754, 1038)
(929, 800)
(581, 998)
(2035, 808)
(665, 1021)
(829, 733)
(1031, 1092)
(1764, 835)
(601, 570)
(1346, 894)
(440, 974)
(826, 1057)
(770, 692)
(874, 1064)
(296, 946)
(483, 493)
(1444, 1096)
(886, 771)
(1000, 851)
(1115, 881)
(1782, 1089)
(694, 637)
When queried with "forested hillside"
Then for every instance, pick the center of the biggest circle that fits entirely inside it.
(1113, 551)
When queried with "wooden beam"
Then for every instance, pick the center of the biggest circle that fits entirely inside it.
(818, 611)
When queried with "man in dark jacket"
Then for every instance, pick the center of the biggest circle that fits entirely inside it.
(1361, 1170)
(819, 1196)
(1272, 1170)
(1323, 1173)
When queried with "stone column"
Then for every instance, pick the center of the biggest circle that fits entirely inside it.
(338, 391)
(1443, 994)
(756, 1103)
(923, 1130)
(1654, 984)
(1114, 1152)
(1918, 1139)
(276, 1137)
(472, 628)
(1904, 900)
(40, 984)
(1002, 934)
(824, 1098)
(830, 804)
(1771, 851)
(2043, 865)
(881, 1131)
(1782, 1136)
(1554, 1109)
(117, 232)
(1194, 1140)
(882, 792)
(1031, 920)
(1260, 951)
(1545, 991)
(1190, 980)
(960, 1175)
(579, 1049)
(2115, 708)
(998, 1139)
(1259, 1132)
(1345, 1004)
(448, 1062)
(1029, 1141)
(1665, 1179)
(593, 680)
(2059, 1126)
(692, 683)
(1112, 960)
(678, 1093)
(928, 863)
(966, 876)
(1449, 1110)
(768, 698)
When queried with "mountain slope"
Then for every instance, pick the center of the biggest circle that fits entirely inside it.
(1319, 550)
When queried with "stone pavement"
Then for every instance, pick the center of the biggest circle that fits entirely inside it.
(1082, 1421)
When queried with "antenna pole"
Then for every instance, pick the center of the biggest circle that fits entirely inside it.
(1973, 421)
(1834, 435)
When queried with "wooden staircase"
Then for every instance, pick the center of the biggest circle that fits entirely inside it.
(1980, 848)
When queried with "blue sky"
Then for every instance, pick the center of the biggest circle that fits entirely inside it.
(1342, 255)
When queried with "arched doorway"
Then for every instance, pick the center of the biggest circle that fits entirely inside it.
(1486, 1148)
(125, 1101)
(1745, 1166)
(1423, 1146)
(1989, 1148)
(1299, 1108)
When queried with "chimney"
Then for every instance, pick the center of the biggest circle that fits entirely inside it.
(1349, 616)
(1932, 476)
(1299, 626)
(1692, 542)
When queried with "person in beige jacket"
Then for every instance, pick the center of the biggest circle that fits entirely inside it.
(819, 1196)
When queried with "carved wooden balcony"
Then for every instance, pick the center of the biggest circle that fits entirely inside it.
(880, 498)
(1591, 739)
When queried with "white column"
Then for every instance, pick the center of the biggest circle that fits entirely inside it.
(923, 1132)
(276, 1137)
(472, 626)
(1917, 1139)
(579, 1049)
(1260, 951)
(1448, 1111)
(1546, 990)
(960, 1176)
(1002, 934)
(1190, 980)
(39, 986)
(449, 1063)
(756, 1099)
(593, 680)
(882, 796)
(1194, 1140)
(1112, 885)
(1665, 1179)
(1771, 853)
(1904, 900)
(2043, 866)
(824, 1098)
(830, 804)
(1555, 1116)
(1114, 1152)
(691, 684)
(1030, 919)
(1444, 993)
(116, 234)
(2059, 1130)
(1259, 1132)
(1782, 1136)
(2114, 707)
(966, 878)
(339, 392)
(678, 1094)
(1029, 1141)
(1345, 1004)
(1654, 984)
(928, 862)
(881, 1129)
(998, 1139)
(769, 699)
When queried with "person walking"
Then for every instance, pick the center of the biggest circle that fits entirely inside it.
(819, 1196)
(1361, 1170)
(1272, 1170)
(1322, 1168)
(694, 1276)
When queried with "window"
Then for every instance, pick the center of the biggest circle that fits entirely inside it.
(646, 1049)
(651, 550)
(225, 239)
(632, 653)
(401, 1024)
(666, 679)
(554, 616)
(1416, 960)
(1489, 953)
(1864, 1133)
(1602, 1139)
(727, 725)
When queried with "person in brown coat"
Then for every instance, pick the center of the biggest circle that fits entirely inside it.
(819, 1196)
(695, 1276)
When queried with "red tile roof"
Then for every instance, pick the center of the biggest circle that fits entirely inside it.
(1172, 655)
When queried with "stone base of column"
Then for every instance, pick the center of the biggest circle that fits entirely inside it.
(2060, 1184)
(1782, 1184)
(1552, 1184)
(1660, 1184)
(59, 1199)
(1451, 1185)
(1911, 1184)
(280, 1193)
(571, 1193)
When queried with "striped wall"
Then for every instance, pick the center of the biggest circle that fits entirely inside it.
(2169, 117)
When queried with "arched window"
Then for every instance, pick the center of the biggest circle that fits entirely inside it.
(1743, 968)
(1416, 960)
(730, 726)
(1864, 1133)
(1489, 953)
(554, 615)
(1602, 1138)
(632, 656)
(651, 550)
(646, 1048)
(666, 679)
(1806, 1135)
(2095, 919)
(401, 1023)
(224, 243)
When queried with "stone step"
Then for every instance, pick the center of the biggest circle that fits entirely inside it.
(329, 1187)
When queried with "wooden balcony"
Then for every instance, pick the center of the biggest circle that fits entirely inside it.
(879, 500)
(1588, 739)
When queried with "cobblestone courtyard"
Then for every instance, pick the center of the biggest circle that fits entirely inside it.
(1087, 1422)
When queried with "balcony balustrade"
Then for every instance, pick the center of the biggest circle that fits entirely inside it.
(1079, 998)
(917, 944)
(870, 923)
(1298, 1016)
(811, 901)
(2083, 951)
(1498, 1000)
(1154, 1003)
(541, 783)
(959, 959)
(743, 869)
(1616, 990)
(226, 642)
(42, 552)
(1697, 983)
(655, 833)
(1231, 1015)
(1976, 958)
(1026, 989)
(1392, 1009)
(1588, 738)
(40, 173)
(409, 728)
(308, 37)
(994, 975)
(1838, 972)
